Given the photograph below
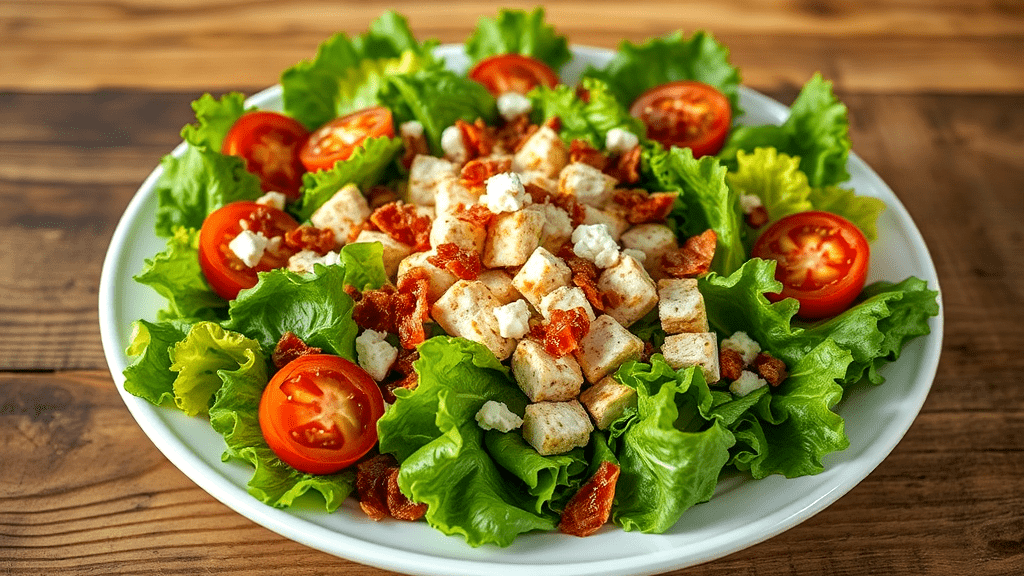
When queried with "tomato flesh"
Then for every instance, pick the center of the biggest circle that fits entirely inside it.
(686, 114)
(512, 73)
(821, 260)
(224, 271)
(339, 138)
(319, 413)
(269, 143)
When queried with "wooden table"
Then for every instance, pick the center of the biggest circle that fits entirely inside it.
(93, 93)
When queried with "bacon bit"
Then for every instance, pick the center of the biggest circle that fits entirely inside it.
(694, 258)
(290, 347)
(589, 287)
(354, 231)
(379, 495)
(411, 307)
(567, 202)
(537, 193)
(477, 214)
(409, 378)
(648, 351)
(512, 134)
(584, 275)
(555, 123)
(380, 195)
(414, 146)
(402, 508)
(478, 138)
(731, 363)
(758, 217)
(464, 264)
(642, 207)
(562, 332)
(319, 240)
(626, 167)
(476, 172)
(590, 507)
(530, 131)
(404, 223)
(375, 310)
(770, 368)
(583, 94)
(582, 151)
(352, 292)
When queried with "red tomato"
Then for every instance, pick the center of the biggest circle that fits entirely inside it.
(337, 139)
(512, 73)
(269, 142)
(319, 413)
(822, 261)
(225, 272)
(686, 114)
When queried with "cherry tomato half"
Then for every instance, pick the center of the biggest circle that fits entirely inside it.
(822, 261)
(512, 73)
(319, 413)
(337, 139)
(686, 114)
(225, 272)
(269, 143)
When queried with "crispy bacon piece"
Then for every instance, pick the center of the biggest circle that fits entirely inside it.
(380, 195)
(568, 203)
(562, 332)
(478, 138)
(642, 207)
(411, 307)
(409, 379)
(648, 351)
(582, 151)
(758, 217)
(694, 258)
(404, 223)
(476, 172)
(477, 214)
(379, 495)
(731, 363)
(555, 123)
(512, 134)
(770, 368)
(584, 276)
(590, 507)
(402, 508)
(537, 193)
(290, 347)
(319, 240)
(375, 309)
(464, 264)
(414, 146)
(626, 167)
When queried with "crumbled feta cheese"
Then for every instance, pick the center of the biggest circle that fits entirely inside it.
(595, 243)
(375, 354)
(750, 202)
(747, 383)
(452, 144)
(505, 193)
(513, 319)
(513, 104)
(496, 416)
(638, 255)
(745, 345)
(273, 199)
(303, 262)
(411, 129)
(249, 247)
(619, 141)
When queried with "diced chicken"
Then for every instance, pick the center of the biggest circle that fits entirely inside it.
(681, 306)
(500, 284)
(556, 427)
(467, 310)
(342, 213)
(607, 401)
(542, 273)
(654, 240)
(605, 347)
(449, 229)
(439, 280)
(543, 377)
(587, 184)
(629, 291)
(512, 237)
(693, 349)
(566, 298)
(543, 153)
(617, 224)
(450, 194)
(426, 176)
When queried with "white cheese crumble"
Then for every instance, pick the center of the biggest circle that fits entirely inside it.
(496, 416)
(747, 383)
(249, 247)
(505, 193)
(452, 144)
(745, 345)
(412, 129)
(375, 354)
(750, 202)
(513, 104)
(303, 262)
(513, 319)
(619, 141)
(273, 199)
(595, 243)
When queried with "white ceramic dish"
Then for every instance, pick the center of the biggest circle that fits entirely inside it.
(742, 513)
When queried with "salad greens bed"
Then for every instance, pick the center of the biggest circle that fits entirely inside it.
(210, 358)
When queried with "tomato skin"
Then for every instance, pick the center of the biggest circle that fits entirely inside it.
(686, 114)
(269, 143)
(822, 261)
(512, 73)
(339, 138)
(319, 413)
(227, 274)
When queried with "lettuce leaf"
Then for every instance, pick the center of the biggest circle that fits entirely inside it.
(518, 32)
(205, 350)
(862, 211)
(637, 68)
(366, 167)
(433, 432)
(816, 131)
(347, 72)
(590, 120)
(672, 453)
(149, 376)
(214, 118)
(175, 274)
(552, 480)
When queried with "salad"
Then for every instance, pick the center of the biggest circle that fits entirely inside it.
(497, 303)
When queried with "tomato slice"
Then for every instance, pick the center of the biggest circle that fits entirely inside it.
(686, 114)
(822, 261)
(337, 139)
(224, 270)
(512, 73)
(269, 143)
(319, 413)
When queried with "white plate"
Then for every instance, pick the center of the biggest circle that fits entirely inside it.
(742, 513)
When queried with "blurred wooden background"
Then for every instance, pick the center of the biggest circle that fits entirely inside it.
(94, 92)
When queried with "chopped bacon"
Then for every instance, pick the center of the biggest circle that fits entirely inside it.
(648, 351)
(568, 202)
(584, 276)
(530, 131)
(590, 507)
(758, 217)
(402, 508)
(409, 379)
(770, 368)
(642, 207)
(582, 94)
(555, 123)
(319, 240)
(512, 134)
(290, 347)
(380, 195)
(589, 287)
(582, 151)
(478, 138)
(731, 363)
(379, 495)
(694, 258)
(477, 214)
(626, 167)
(464, 264)
(355, 230)
(562, 332)
(412, 308)
(414, 146)
(476, 172)
(404, 223)
(375, 310)
(352, 292)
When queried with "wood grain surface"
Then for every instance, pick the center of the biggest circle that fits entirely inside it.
(93, 93)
